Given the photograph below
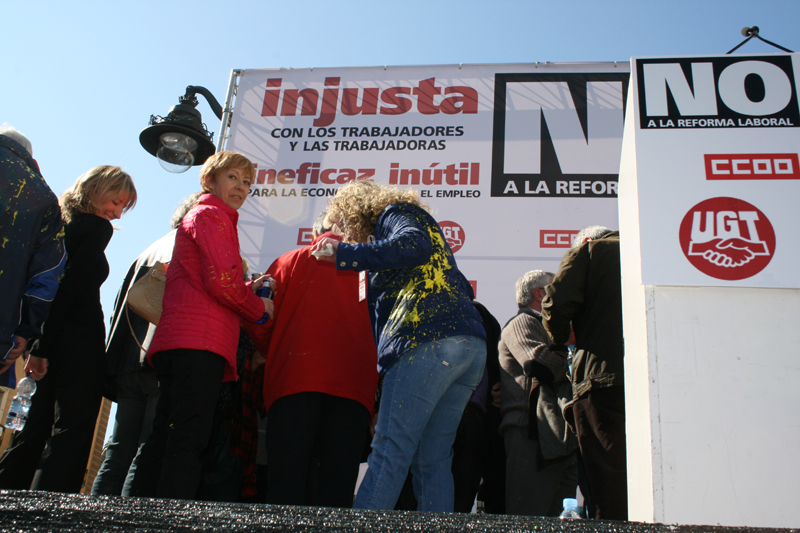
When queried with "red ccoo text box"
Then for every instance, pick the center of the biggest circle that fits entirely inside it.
(752, 167)
(556, 238)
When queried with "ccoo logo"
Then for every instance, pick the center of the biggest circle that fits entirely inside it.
(453, 234)
(727, 238)
(305, 236)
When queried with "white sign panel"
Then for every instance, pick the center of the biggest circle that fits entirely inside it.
(717, 142)
(512, 159)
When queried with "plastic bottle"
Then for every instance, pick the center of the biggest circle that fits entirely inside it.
(21, 404)
(570, 509)
(265, 291)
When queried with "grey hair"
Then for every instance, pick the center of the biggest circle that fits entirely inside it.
(9, 131)
(319, 226)
(184, 208)
(592, 232)
(535, 279)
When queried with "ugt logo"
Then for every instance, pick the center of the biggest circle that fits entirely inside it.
(558, 134)
(453, 234)
(727, 238)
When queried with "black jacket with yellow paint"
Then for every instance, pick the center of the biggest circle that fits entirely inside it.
(32, 253)
(416, 292)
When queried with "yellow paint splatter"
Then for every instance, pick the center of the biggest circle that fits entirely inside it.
(411, 309)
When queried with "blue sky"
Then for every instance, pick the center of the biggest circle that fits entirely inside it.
(81, 79)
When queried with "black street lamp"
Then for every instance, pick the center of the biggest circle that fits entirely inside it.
(181, 140)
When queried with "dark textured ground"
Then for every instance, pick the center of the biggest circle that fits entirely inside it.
(23, 511)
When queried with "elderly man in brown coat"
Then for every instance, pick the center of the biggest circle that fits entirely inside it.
(586, 294)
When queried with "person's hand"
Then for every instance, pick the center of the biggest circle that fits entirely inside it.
(258, 360)
(259, 282)
(571, 339)
(17, 350)
(321, 249)
(496, 395)
(36, 367)
(373, 423)
(14, 354)
(269, 307)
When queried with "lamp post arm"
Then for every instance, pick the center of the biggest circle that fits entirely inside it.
(191, 90)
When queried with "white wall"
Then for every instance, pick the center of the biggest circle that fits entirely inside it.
(641, 486)
(726, 369)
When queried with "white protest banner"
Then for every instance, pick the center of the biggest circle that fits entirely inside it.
(717, 142)
(513, 159)
(709, 177)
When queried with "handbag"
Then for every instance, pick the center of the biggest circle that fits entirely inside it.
(146, 295)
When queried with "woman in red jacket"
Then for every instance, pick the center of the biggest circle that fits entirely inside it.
(194, 347)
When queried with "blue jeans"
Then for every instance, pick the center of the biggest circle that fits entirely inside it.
(424, 395)
(137, 397)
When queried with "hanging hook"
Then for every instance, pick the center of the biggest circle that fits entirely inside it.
(753, 32)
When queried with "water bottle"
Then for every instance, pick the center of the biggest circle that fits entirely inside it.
(21, 404)
(265, 291)
(570, 509)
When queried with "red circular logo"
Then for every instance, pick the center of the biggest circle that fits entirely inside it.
(453, 234)
(727, 238)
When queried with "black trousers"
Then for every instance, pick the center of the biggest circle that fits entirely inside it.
(52, 450)
(170, 462)
(493, 487)
(600, 426)
(469, 457)
(314, 447)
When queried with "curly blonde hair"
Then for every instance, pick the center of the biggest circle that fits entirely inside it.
(97, 183)
(356, 207)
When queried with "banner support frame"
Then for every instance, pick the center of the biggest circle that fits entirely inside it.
(227, 110)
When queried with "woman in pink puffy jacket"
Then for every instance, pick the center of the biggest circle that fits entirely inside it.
(194, 347)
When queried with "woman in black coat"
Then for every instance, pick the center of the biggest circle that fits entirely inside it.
(52, 450)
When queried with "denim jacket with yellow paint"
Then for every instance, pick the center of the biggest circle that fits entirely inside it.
(416, 292)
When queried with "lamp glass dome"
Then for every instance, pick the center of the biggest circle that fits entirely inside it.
(177, 152)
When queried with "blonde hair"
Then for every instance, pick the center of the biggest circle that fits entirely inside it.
(96, 184)
(245, 267)
(223, 161)
(356, 207)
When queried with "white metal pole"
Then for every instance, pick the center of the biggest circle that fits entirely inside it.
(233, 83)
